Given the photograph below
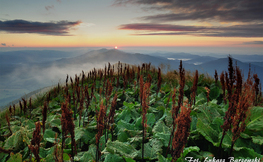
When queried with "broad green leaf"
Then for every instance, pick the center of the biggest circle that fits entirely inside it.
(150, 119)
(123, 135)
(113, 158)
(200, 99)
(247, 153)
(160, 127)
(162, 159)
(14, 142)
(214, 92)
(190, 149)
(163, 137)
(42, 152)
(124, 125)
(256, 119)
(79, 132)
(117, 147)
(3, 156)
(55, 123)
(88, 135)
(152, 148)
(90, 155)
(207, 131)
(15, 158)
(127, 159)
(257, 140)
(135, 141)
(66, 157)
(29, 124)
(49, 135)
(50, 158)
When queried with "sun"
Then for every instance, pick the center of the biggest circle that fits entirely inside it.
(116, 47)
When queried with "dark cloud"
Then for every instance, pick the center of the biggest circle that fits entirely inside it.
(49, 7)
(220, 10)
(254, 42)
(3, 44)
(159, 27)
(59, 1)
(47, 28)
(166, 29)
(248, 13)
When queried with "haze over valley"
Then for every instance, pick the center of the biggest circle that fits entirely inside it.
(22, 72)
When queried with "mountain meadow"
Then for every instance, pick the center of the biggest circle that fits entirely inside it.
(129, 113)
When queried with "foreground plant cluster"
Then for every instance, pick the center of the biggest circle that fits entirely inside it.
(136, 113)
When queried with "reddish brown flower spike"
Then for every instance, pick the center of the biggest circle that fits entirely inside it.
(182, 132)
(35, 142)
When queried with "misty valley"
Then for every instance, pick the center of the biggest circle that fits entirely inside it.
(24, 73)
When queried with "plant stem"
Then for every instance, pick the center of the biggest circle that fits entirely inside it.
(143, 143)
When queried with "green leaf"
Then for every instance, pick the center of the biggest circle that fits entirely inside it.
(207, 131)
(256, 119)
(42, 152)
(49, 158)
(162, 159)
(79, 132)
(127, 159)
(14, 142)
(247, 153)
(15, 158)
(125, 125)
(3, 156)
(150, 119)
(214, 93)
(89, 155)
(151, 148)
(66, 156)
(113, 158)
(123, 135)
(257, 140)
(117, 147)
(49, 135)
(163, 137)
(88, 135)
(160, 127)
(190, 149)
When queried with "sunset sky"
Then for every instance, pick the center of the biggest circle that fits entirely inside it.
(236, 25)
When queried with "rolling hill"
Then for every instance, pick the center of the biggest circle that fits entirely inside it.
(25, 74)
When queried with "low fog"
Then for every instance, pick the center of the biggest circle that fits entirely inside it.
(23, 72)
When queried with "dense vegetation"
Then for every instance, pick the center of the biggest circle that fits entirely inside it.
(136, 113)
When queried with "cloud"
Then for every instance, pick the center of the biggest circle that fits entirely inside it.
(168, 29)
(159, 27)
(59, 1)
(49, 7)
(224, 11)
(254, 42)
(3, 44)
(60, 28)
(247, 13)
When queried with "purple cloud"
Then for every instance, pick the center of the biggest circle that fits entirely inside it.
(167, 29)
(248, 13)
(60, 28)
(225, 11)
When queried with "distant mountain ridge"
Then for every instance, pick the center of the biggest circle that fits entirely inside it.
(18, 79)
